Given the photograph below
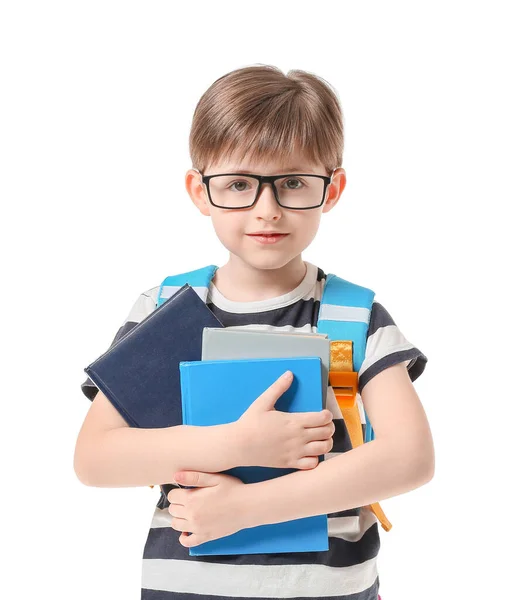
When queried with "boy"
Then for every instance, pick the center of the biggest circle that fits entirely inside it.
(258, 122)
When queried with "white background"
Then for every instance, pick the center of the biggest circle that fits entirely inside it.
(97, 100)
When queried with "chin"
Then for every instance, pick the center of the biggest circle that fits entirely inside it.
(267, 262)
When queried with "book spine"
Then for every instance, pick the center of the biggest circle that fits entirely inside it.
(184, 377)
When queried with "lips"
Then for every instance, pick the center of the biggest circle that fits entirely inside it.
(267, 237)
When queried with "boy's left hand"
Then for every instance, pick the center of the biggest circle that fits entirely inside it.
(208, 513)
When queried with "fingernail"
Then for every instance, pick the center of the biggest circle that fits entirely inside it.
(287, 375)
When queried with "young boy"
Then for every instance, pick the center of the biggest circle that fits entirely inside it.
(256, 122)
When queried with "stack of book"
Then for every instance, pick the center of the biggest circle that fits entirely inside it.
(179, 365)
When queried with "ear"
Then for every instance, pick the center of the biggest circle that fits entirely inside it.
(335, 189)
(197, 191)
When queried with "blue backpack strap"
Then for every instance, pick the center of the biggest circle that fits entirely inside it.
(199, 280)
(344, 314)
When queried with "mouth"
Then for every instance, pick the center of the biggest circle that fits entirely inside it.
(267, 238)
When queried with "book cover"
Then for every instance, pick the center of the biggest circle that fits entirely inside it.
(140, 373)
(220, 391)
(228, 343)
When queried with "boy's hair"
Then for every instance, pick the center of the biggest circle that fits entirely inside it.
(259, 113)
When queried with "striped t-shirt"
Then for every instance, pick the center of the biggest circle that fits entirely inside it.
(348, 570)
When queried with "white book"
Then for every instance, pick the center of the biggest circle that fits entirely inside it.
(234, 343)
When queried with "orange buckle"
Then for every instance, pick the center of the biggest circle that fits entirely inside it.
(345, 385)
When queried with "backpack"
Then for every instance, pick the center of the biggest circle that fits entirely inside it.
(344, 315)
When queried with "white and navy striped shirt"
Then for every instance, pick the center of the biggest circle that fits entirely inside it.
(348, 570)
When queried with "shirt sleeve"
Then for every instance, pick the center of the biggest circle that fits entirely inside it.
(144, 305)
(387, 346)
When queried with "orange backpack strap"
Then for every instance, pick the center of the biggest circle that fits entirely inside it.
(344, 315)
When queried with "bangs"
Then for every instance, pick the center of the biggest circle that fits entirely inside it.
(266, 139)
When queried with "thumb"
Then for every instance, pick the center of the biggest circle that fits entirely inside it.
(196, 478)
(270, 396)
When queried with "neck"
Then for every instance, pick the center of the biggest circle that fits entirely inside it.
(241, 282)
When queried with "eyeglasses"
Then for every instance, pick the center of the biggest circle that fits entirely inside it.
(295, 191)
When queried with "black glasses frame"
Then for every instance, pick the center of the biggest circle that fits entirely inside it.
(266, 179)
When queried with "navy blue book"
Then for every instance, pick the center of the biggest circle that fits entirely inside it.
(140, 373)
(215, 392)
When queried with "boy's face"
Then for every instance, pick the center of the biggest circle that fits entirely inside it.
(235, 226)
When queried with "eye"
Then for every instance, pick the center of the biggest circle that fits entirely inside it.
(293, 183)
(242, 185)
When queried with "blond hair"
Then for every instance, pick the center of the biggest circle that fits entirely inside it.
(259, 113)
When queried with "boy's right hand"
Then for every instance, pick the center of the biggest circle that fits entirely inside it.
(272, 438)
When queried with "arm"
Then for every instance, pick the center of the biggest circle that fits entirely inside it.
(109, 453)
(399, 459)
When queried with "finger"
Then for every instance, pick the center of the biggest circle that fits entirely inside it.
(176, 497)
(318, 448)
(316, 419)
(312, 434)
(197, 478)
(270, 396)
(180, 524)
(189, 541)
(307, 462)
(176, 510)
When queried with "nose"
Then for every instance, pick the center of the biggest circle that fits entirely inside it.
(266, 206)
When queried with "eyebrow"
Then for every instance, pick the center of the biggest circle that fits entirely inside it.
(286, 169)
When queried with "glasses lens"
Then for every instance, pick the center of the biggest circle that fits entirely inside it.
(233, 191)
(239, 191)
(300, 191)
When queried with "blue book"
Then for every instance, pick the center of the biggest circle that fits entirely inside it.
(216, 392)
